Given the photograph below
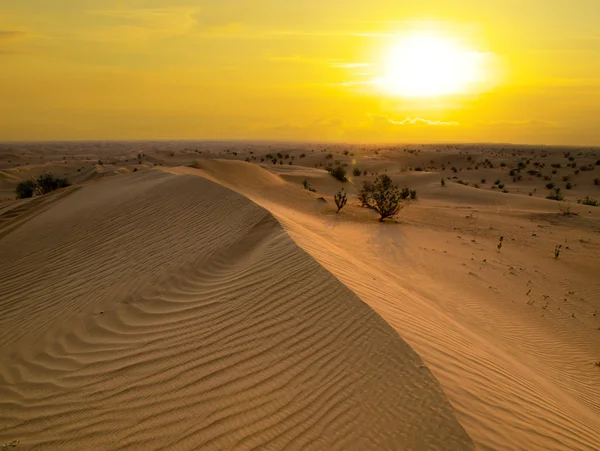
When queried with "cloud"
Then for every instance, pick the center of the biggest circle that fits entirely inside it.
(408, 121)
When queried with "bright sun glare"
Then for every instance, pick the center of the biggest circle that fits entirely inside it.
(429, 65)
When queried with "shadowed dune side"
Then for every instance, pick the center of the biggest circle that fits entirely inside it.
(517, 379)
(158, 311)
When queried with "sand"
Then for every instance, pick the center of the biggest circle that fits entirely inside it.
(262, 318)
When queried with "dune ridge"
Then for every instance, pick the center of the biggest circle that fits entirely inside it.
(518, 378)
(164, 311)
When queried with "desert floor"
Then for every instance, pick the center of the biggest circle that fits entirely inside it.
(194, 294)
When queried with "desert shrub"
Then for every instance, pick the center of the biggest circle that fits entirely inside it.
(308, 186)
(419, 169)
(571, 158)
(365, 195)
(346, 152)
(100, 162)
(280, 155)
(554, 171)
(443, 181)
(47, 182)
(25, 189)
(329, 156)
(386, 198)
(568, 185)
(135, 169)
(454, 169)
(589, 201)
(596, 181)
(413, 194)
(555, 195)
(497, 182)
(503, 164)
(549, 185)
(285, 157)
(269, 156)
(565, 178)
(405, 193)
(588, 167)
(505, 191)
(339, 173)
(340, 200)
(597, 162)
(512, 172)
(462, 182)
(356, 172)
(556, 165)
(483, 181)
(302, 155)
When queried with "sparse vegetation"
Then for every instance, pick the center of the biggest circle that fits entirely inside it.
(557, 250)
(549, 185)
(568, 185)
(383, 196)
(500, 241)
(26, 189)
(587, 200)
(340, 200)
(356, 172)
(443, 181)
(339, 173)
(555, 195)
(308, 186)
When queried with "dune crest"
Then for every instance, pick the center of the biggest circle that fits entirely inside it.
(154, 311)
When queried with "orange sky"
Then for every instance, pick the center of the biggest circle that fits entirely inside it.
(275, 69)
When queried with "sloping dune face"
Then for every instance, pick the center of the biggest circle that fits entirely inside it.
(157, 311)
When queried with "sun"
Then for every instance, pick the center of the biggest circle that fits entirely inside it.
(428, 65)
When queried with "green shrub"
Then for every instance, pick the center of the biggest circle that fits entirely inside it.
(365, 195)
(386, 197)
(443, 181)
(339, 173)
(596, 181)
(555, 195)
(47, 182)
(549, 185)
(588, 201)
(356, 172)
(413, 194)
(568, 185)
(25, 189)
(308, 186)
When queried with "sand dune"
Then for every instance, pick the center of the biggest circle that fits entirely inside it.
(519, 370)
(158, 311)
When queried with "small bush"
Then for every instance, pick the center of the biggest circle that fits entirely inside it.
(386, 197)
(26, 189)
(405, 193)
(549, 185)
(302, 155)
(366, 194)
(413, 194)
(308, 186)
(497, 182)
(568, 185)
(340, 200)
(588, 201)
(555, 195)
(596, 181)
(47, 183)
(483, 181)
(443, 181)
(501, 186)
(356, 172)
(339, 173)
(329, 156)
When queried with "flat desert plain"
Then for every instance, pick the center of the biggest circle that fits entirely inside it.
(195, 295)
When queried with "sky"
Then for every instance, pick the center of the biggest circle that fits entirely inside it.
(294, 70)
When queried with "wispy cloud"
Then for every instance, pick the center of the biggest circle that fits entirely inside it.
(413, 121)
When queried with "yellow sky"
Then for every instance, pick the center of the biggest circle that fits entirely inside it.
(298, 70)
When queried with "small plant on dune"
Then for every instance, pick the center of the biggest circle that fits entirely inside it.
(365, 195)
(340, 200)
(339, 173)
(308, 186)
(413, 194)
(497, 182)
(405, 193)
(329, 156)
(555, 195)
(302, 155)
(443, 181)
(100, 162)
(549, 185)
(596, 181)
(587, 200)
(557, 250)
(356, 172)
(483, 181)
(387, 200)
(568, 185)
(26, 189)
(499, 245)
(47, 183)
